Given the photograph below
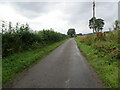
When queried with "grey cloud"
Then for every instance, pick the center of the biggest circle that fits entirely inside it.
(82, 12)
(32, 9)
(107, 11)
(35, 9)
(77, 14)
(76, 11)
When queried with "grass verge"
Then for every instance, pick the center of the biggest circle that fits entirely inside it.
(16, 63)
(108, 73)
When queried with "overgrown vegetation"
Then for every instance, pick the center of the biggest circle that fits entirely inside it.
(103, 54)
(96, 24)
(16, 63)
(22, 47)
(21, 38)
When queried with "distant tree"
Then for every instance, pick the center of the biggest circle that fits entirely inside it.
(117, 25)
(3, 26)
(96, 24)
(80, 33)
(27, 27)
(99, 24)
(71, 32)
(10, 27)
(91, 24)
(17, 26)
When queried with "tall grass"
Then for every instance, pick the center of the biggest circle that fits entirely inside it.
(16, 63)
(103, 55)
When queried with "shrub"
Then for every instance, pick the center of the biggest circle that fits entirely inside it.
(106, 44)
(21, 39)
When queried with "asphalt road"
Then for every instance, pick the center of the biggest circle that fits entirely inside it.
(65, 67)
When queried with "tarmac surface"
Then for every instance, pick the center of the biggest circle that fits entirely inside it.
(65, 67)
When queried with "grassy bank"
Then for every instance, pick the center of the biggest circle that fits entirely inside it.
(18, 62)
(102, 56)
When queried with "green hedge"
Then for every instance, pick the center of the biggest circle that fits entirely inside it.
(15, 40)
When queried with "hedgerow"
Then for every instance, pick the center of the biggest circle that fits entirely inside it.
(19, 39)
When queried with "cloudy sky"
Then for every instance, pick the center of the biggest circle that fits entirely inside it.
(58, 15)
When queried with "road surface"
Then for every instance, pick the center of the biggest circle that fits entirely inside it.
(65, 67)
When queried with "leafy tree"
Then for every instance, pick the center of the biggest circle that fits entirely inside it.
(91, 24)
(117, 25)
(99, 24)
(79, 34)
(17, 26)
(71, 32)
(96, 24)
(10, 27)
(4, 28)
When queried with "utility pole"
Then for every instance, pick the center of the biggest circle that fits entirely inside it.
(119, 13)
(93, 16)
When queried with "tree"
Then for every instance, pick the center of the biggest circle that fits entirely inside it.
(3, 26)
(99, 24)
(96, 24)
(117, 25)
(10, 27)
(17, 26)
(71, 32)
(80, 34)
(91, 24)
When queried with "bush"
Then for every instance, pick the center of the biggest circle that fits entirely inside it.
(89, 40)
(21, 39)
(106, 44)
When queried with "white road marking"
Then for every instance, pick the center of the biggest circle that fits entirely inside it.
(67, 84)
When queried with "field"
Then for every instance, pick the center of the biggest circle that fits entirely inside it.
(103, 54)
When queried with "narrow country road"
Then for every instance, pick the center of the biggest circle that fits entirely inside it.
(65, 67)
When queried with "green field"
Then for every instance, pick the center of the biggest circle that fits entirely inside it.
(16, 63)
(103, 55)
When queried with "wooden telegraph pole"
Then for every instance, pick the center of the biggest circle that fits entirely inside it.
(93, 16)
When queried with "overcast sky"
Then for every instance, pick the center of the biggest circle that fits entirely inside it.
(58, 15)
